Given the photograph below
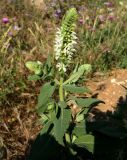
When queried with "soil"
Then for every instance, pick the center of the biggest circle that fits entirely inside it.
(110, 89)
(19, 126)
(19, 123)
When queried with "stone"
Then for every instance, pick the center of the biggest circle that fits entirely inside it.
(112, 91)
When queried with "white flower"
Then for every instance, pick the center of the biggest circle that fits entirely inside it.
(58, 44)
(61, 66)
(64, 50)
(65, 40)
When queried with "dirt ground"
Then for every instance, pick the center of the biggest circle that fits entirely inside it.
(110, 88)
(19, 125)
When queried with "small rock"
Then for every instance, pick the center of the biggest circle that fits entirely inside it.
(111, 91)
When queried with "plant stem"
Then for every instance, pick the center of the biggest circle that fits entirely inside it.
(61, 89)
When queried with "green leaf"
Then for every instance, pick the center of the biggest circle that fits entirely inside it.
(62, 104)
(45, 95)
(48, 61)
(80, 129)
(75, 76)
(85, 102)
(44, 119)
(75, 89)
(79, 117)
(86, 110)
(44, 107)
(61, 124)
(76, 67)
(48, 67)
(50, 105)
(86, 141)
(35, 66)
(47, 128)
(34, 77)
(85, 67)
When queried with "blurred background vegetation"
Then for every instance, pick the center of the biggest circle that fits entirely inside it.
(27, 33)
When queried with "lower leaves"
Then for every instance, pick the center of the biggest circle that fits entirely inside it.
(86, 141)
(61, 124)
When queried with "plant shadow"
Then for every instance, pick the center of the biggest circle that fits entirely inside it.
(46, 147)
(110, 132)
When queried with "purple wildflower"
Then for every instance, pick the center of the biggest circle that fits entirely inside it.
(81, 21)
(16, 28)
(111, 18)
(57, 13)
(101, 18)
(5, 20)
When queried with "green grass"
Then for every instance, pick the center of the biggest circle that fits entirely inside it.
(104, 43)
